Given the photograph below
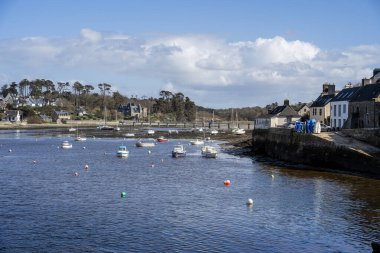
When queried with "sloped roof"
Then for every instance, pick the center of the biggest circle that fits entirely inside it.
(298, 107)
(367, 92)
(345, 94)
(283, 110)
(322, 100)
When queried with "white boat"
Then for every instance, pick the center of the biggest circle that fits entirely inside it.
(105, 127)
(209, 152)
(150, 132)
(122, 152)
(178, 151)
(141, 144)
(238, 131)
(66, 144)
(197, 142)
(79, 138)
(129, 135)
(72, 129)
(214, 131)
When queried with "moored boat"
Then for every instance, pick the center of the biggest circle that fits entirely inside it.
(66, 144)
(209, 152)
(122, 151)
(141, 144)
(197, 142)
(162, 139)
(178, 151)
(79, 138)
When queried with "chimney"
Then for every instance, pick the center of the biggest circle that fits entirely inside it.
(328, 89)
(286, 102)
(366, 81)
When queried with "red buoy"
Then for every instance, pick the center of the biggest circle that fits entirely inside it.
(227, 182)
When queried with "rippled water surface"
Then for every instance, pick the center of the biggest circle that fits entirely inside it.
(174, 205)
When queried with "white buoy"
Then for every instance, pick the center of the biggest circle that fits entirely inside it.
(149, 152)
(10, 150)
(272, 176)
(84, 147)
(152, 165)
(249, 202)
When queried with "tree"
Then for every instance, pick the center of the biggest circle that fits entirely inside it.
(78, 88)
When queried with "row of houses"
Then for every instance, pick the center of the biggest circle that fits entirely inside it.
(352, 107)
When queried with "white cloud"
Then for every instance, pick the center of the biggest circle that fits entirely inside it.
(91, 35)
(197, 64)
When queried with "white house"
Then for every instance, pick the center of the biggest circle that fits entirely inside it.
(339, 107)
(277, 117)
(13, 116)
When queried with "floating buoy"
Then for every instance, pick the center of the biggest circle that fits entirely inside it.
(84, 147)
(149, 152)
(249, 202)
(152, 165)
(227, 182)
(86, 167)
(76, 174)
(34, 161)
(123, 194)
(10, 150)
(272, 176)
(162, 160)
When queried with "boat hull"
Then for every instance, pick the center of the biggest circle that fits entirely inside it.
(178, 154)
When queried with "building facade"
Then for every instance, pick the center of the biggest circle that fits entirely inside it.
(339, 107)
(320, 108)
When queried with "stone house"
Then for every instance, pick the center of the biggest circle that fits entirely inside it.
(60, 116)
(302, 108)
(131, 110)
(320, 108)
(277, 117)
(364, 106)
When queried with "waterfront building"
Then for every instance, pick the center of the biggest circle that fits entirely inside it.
(278, 117)
(13, 116)
(131, 110)
(339, 106)
(302, 109)
(320, 108)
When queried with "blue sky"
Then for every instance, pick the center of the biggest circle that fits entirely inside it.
(219, 53)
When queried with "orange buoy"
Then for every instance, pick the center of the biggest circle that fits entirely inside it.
(227, 182)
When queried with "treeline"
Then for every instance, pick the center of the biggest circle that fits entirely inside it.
(169, 106)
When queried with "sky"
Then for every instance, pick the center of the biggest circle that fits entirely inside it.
(219, 53)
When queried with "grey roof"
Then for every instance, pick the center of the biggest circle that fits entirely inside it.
(367, 92)
(322, 100)
(345, 94)
(283, 110)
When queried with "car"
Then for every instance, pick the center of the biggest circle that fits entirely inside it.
(289, 125)
(325, 128)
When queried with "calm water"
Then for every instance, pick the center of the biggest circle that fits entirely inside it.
(179, 205)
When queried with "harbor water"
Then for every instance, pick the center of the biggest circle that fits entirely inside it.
(50, 202)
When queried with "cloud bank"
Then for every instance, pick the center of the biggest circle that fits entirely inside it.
(208, 69)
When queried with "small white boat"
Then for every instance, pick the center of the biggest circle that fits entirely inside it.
(129, 135)
(122, 152)
(79, 138)
(141, 144)
(238, 131)
(72, 129)
(150, 132)
(105, 127)
(209, 152)
(197, 142)
(214, 131)
(178, 151)
(66, 144)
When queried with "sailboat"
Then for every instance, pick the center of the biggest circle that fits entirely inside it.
(236, 130)
(105, 127)
(79, 138)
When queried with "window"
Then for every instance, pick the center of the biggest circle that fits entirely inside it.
(320, 112)
(334, 110)
(340, 123)
(339, 110)
(344, 108)
(334, 122)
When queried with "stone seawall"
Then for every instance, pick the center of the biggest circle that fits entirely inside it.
(313, 150)
(369, 135)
